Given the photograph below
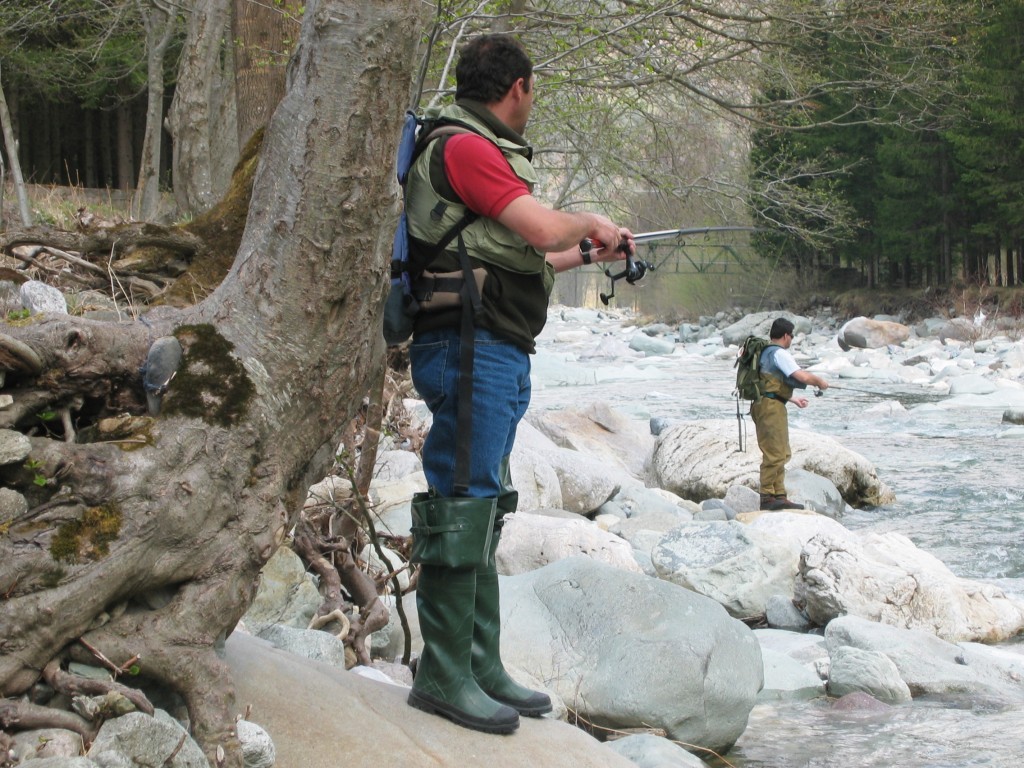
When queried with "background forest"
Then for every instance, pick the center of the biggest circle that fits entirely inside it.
(879, 137)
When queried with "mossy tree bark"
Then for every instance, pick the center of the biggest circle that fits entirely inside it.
(148, 547)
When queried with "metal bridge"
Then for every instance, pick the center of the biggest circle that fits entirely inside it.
(698, 250)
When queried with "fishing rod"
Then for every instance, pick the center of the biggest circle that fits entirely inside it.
(636, 268)
(819, 392)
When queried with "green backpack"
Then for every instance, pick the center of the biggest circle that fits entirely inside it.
(748, 368)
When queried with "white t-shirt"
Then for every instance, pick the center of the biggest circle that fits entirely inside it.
(784, 362)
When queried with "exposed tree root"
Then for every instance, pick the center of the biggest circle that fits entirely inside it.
(18, 715)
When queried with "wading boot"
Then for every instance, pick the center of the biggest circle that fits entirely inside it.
(781, 502)
(487, 667)
(451, 537)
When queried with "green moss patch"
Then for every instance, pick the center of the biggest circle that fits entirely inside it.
(211, 383)
(88, 538)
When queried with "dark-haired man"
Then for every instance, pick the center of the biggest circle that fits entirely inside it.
(780, 375)
(510, 250)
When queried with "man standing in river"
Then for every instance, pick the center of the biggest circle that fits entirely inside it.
(780, 375)
(504, 259)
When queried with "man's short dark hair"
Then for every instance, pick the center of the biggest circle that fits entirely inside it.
(780, 328)
(488, 66)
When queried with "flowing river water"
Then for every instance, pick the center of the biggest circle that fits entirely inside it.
(956, 473)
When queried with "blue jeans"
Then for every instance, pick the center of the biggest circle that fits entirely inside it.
(501, 394)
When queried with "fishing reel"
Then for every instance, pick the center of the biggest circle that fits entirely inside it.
(634, 272)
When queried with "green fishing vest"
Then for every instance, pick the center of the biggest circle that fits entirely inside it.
(519, 279)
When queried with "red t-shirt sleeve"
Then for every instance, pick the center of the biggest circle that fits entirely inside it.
(480, 174)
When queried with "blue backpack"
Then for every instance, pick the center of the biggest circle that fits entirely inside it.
(401, 306)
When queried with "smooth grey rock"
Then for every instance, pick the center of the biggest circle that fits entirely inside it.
(286, 594)
(743, 499)
(698, 460)
(649, 751)
(148, 740)
(719, 504)
(884, 577)
(314, 644)
(759, 324)
(288, 693)
(782, 614)
(14, 447)
(529, 541)
(932, 666)
(600, 432)
(729, 562)
(41, 743)
(257, 746)
(39, 298)
(603, 639)
(871, 334)
(1013, 416)
(12, 505)
(786, 678)
(650, 346)
(871, 672)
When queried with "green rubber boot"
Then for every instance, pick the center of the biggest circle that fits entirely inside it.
(450, 537)
(487, 667)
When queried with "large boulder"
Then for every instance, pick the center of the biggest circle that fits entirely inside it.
(627, 651)
(604, 434)
(885, 578)
(549, 476)
(734, 565)
(321, 717)
(530, 541)
(864, 333)
(934, 667)
(759, 323)
(699, 460)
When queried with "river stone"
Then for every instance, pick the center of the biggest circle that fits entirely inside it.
(38, 744)
(318, 715)
(785, 678)
(885, 578)
(780, 613)
(148, 740)
(547, 475)
(600, 432)
(871, 334)
(314, 644)
(257, 746)
(649, 345)
(759, 324)
(529, 541)
(731, 563)
(1013, 416)
(40, 298)
(874, 673)
(971, 384)
(12, 505)
(930, 665)
(742, 499)
(286, 594)
(698, 460)
(14, 447)
(629, 651)
(649, 751)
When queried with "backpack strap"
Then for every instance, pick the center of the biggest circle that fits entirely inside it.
(472, 303)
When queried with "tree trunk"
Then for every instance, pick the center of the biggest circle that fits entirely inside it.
(159, 28)
(197, 111)
(264, 35)
(11, 144)
(125, 150)
(151, 547)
